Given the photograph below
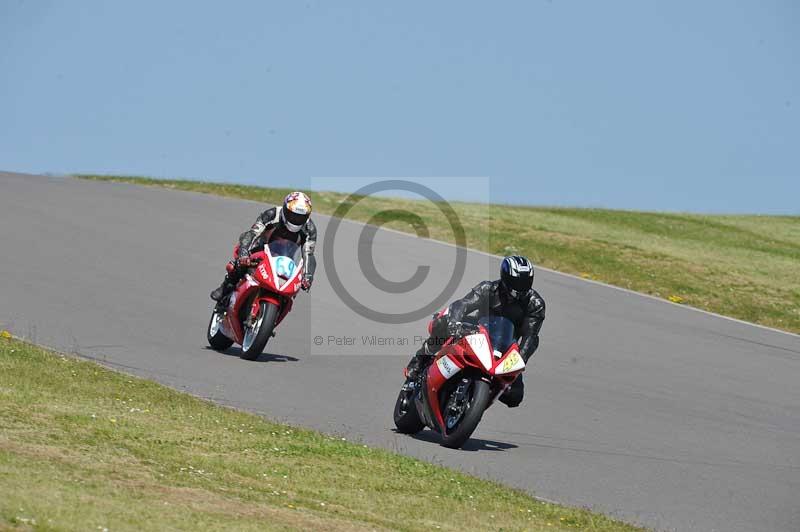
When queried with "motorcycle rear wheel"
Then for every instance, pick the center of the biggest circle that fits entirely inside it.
(406, 416)
(479, 395)
(217, 340)
(256, 337)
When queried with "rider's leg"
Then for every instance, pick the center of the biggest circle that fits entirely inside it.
(424, 355)
(513, 396)
(232, 278)
(219, 293)
(420, 360)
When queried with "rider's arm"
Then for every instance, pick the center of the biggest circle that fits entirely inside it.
(308, 250)
(469, 303)
(531, 325)
(262, 223)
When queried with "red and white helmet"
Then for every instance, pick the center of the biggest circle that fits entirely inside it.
(295, 211)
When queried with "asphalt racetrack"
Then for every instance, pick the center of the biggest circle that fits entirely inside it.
(647, 411)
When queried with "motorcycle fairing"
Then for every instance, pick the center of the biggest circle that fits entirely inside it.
(474, 351)
(510, 362)
(260, 279)
(494, 362)
(480, 346)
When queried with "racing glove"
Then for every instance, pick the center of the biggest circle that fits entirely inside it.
(244, 261)
(457, 328)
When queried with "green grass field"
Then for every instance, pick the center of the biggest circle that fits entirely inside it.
(86, 448)
(747, 267)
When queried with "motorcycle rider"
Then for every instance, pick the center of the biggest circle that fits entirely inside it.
(512, 297)
(290, 221)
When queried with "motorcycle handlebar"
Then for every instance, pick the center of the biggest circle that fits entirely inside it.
(469, 328)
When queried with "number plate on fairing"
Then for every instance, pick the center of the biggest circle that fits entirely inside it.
(513, 362)
(447, 367)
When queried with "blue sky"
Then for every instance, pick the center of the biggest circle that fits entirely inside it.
(691, 106)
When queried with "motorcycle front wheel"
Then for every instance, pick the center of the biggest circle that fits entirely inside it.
(257, 334)
(460, 426)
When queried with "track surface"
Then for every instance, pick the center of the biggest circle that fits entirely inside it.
(649, 412)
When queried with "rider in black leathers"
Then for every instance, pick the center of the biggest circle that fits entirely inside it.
(290, 221)
(511, 297)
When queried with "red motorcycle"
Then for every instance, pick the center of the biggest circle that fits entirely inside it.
(260, 301)
(464, 379)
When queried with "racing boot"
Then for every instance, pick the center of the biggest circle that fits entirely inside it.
(512, 397)
(232, 278)
(221, 292)
(421, 359)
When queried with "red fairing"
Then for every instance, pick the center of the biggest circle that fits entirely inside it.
(466, 354)
(436, 379)
(258, 285)
(239, 297)
(267, 297)
(461, 363)
(435, 382)
(264, 274)
(437, 316)
(463, 355)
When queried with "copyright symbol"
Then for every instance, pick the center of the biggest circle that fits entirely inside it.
(318, 340)
(366, 260)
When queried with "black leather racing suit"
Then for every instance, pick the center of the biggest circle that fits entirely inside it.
(490, 299)
(268, 226)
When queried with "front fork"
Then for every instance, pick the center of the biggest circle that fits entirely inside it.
(255, 308)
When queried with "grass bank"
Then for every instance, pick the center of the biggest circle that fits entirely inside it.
(86, 448)
(747, 267)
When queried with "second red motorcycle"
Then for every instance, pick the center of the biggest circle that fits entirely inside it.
(261, 300)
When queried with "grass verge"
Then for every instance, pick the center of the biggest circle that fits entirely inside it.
(86, 448)
(747, 267)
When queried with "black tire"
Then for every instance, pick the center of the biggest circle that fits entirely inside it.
(406, 417)
(268, 312)
(481, 393)
(217, 341)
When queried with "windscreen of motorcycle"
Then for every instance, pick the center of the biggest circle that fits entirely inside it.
(284, 268)
(286, 260)
(501, 332)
